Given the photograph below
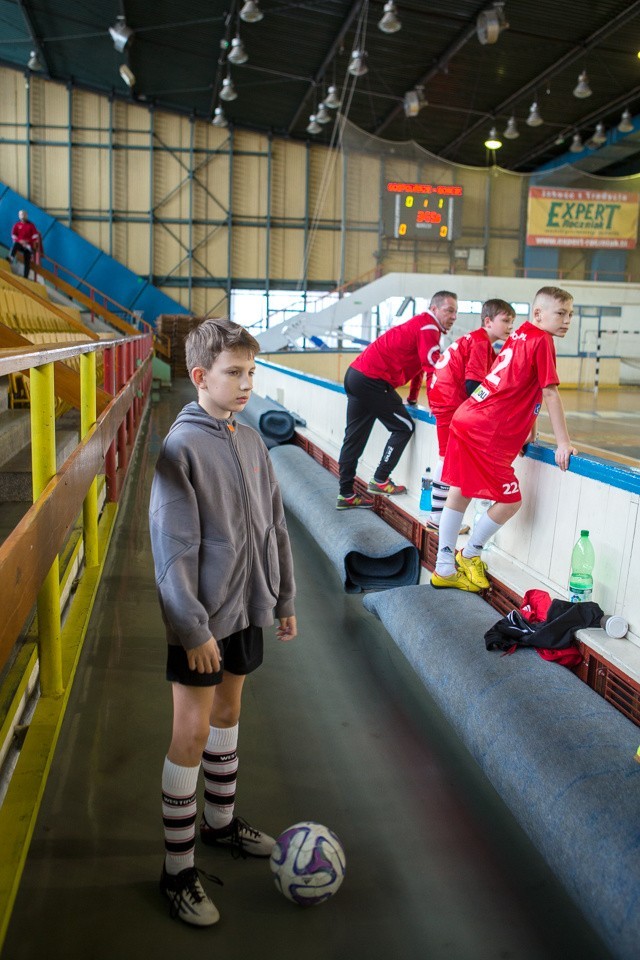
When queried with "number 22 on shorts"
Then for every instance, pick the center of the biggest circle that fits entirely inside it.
(510, 489)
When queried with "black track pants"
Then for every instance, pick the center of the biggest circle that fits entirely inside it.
(369, 400)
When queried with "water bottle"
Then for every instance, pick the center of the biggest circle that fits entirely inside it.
(582, 563)
(425, 491)
(481, 507)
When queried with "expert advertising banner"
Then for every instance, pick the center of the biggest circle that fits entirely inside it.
(559, 217)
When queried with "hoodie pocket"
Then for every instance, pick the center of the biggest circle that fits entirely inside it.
(217, 562)
(272, 562)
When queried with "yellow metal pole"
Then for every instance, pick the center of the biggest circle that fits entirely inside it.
(43, 467)
(87, 420)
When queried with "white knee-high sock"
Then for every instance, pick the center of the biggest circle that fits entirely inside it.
(449, 529)
(179, 815)
(483, 529)
(439, 493)
(220, 766)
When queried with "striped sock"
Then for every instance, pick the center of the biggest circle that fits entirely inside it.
(439, 491)
(220, 765)
(179, 815)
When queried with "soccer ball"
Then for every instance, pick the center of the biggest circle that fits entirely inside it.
(308, 863)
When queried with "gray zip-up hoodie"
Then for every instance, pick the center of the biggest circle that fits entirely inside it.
(218, 532)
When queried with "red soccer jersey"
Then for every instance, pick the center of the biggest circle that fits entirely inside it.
(403, 351)
(499, 414)
(468, 358)
(24, 232)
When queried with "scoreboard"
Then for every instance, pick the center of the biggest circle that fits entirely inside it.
(423, 211)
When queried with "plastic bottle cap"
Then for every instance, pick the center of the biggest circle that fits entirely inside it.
(584, 533)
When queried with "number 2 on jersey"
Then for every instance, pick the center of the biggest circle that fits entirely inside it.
(504, 359)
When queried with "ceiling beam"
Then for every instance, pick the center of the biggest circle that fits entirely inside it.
(222, 58)
(620, 101)
(37, 46)
(577, 52)
(334, 48)
(461, 41)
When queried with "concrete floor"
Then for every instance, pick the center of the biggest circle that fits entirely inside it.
(336, 728)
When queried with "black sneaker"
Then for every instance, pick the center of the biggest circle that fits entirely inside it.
(188, 900)
(241, 838)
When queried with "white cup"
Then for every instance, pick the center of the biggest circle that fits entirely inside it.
(614, 626)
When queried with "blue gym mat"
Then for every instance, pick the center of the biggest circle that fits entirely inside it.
(560, 756)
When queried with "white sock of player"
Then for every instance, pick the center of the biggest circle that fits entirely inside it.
(449, 529)
(483, 529)
(439, 493)
(220, 766)
(179, 815)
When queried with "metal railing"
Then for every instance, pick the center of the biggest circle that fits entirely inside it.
(45, 649)
(97, 302)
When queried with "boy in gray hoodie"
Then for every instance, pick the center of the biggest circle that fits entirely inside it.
(223, 569)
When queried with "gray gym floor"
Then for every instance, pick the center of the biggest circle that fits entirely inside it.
(335, 728)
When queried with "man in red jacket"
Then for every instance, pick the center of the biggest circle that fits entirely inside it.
(396, 357)
(25, 238)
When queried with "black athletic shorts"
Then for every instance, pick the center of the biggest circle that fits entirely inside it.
(241, 653)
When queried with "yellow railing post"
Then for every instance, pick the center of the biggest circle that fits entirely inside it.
(87, 421)
(43, 466)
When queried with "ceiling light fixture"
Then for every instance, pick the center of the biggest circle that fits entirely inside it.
(626, 123)
(582, 90)
(534, 119)
(322, 114)
(219, 119)
(127, 75)
(121, 34)
(358, 66)
(332, 100)
(237, 54)
(389, 22)
(34, 61)
(599, 135)
(511, 131)
(490, 23)
(314, 127)
(251, 12)
(493, 142)
(414, 101)
(576, 144)
(228, 91)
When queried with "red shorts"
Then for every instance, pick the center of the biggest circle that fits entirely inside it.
(442, 431)
(443, 422)
(478, 473)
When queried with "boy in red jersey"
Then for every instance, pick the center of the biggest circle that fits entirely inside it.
(460, 369)
(489, 430)
(370, 384)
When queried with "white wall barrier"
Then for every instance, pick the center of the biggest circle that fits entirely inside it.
(533, 549)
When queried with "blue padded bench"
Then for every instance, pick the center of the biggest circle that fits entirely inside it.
(561, 757)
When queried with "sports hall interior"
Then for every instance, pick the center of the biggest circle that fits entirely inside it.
(487, 805)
